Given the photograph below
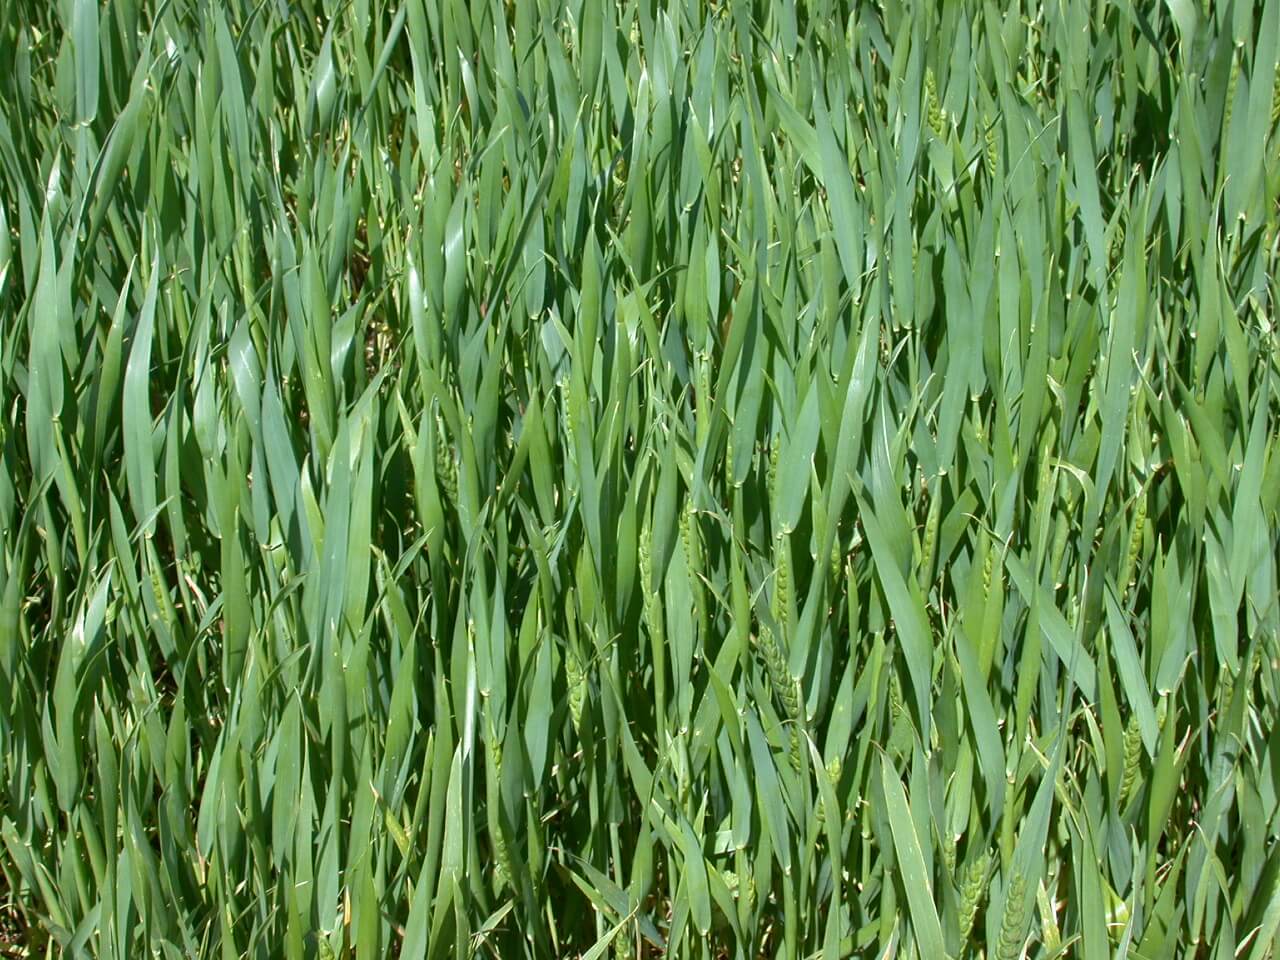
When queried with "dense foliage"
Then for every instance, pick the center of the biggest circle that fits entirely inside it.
(704, 479)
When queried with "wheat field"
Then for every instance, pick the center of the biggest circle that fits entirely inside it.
(698, 479)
